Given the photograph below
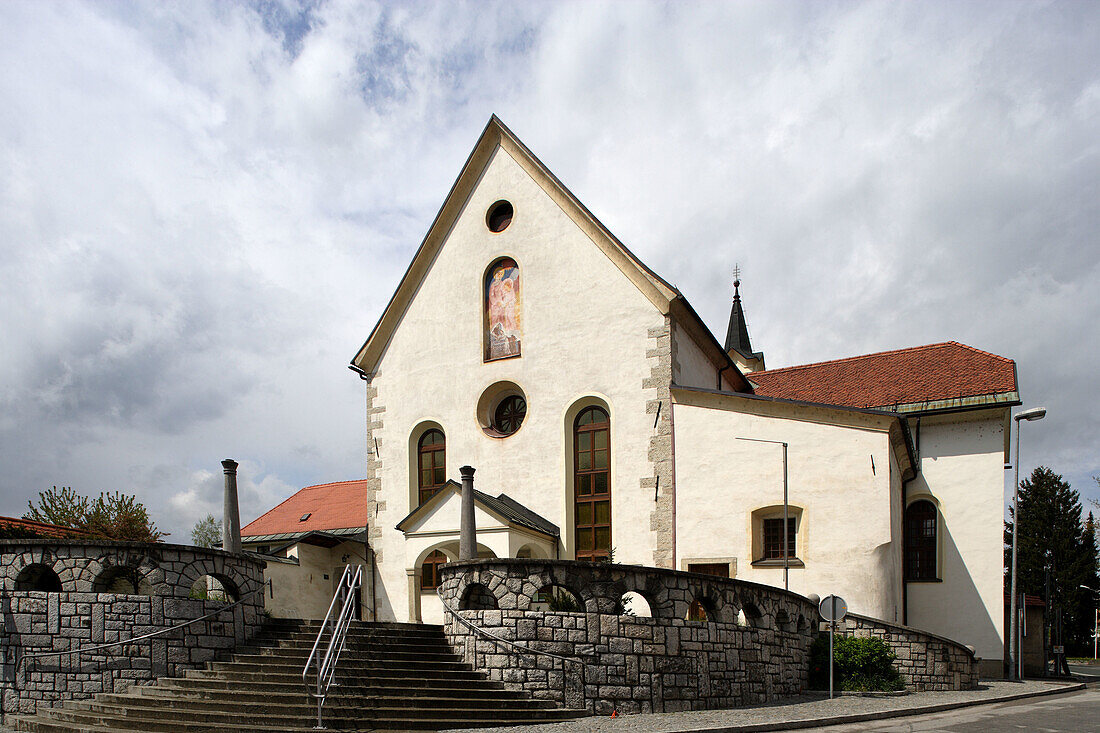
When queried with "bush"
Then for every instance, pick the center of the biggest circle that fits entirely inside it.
(859, 665)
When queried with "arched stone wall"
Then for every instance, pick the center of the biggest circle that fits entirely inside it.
(83, 614)
(169, 570)
(633, 664)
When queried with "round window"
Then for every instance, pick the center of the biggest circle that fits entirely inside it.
(509, 414)
(499, 216)
(501, 409)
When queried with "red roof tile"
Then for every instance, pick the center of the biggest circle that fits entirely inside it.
(921, 374)
(339, 505)
(41, 528)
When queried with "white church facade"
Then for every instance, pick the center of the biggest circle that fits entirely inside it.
(603, 418)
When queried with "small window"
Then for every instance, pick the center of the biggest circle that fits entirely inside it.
(429, 571)
(509, 414)
(773, 538)
(499, 216)
(767, 536)
(305, 516)
(920, 541)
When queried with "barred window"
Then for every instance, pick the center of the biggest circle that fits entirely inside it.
(773, 538)
(920, 541)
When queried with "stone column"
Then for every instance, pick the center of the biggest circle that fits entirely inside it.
(414, 595)
(467, 538)
(231, 518)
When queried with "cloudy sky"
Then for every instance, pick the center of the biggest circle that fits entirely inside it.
(205, 206)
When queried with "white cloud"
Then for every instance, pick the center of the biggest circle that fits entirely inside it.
(205, 206)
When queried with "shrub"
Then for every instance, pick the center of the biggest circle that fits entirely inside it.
(859, 665)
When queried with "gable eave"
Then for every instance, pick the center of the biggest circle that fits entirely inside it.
(496, 134)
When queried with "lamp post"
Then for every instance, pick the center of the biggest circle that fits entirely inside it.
(1035, 413)
(786, 540)
(1096, 621)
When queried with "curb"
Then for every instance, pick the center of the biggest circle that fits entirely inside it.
(885, 714)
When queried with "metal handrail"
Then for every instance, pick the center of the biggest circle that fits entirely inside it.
(326, 666)
(142, 637)
(516, 645)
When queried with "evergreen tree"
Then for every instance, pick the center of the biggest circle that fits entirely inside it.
(1052, 539)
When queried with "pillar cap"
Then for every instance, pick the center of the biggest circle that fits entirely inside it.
(466, 471)
(230, 465)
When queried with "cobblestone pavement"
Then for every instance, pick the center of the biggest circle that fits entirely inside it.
(800, 712)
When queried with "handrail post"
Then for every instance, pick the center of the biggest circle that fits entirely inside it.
(326, 663)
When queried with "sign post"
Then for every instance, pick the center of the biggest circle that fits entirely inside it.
(832, 609)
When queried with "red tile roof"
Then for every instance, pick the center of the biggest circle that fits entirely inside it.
(921, 374)
(338, 505)
(41, 528)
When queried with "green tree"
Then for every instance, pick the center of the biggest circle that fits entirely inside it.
(111, 516)
(207, 532)
(1053, 540)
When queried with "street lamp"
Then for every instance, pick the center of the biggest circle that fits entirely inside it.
(1096, 620)
(786, 539)
(1035, 413)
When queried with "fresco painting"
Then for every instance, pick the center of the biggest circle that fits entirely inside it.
(503, 302)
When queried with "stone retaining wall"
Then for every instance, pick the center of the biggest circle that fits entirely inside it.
(926, 661)
(754, 647)
(36, 621)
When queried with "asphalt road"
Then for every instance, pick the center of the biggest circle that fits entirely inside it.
(1074, 712)
(1087, 672)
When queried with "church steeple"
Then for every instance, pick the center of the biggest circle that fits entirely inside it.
(738, 345)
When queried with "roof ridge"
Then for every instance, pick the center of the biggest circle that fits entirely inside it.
(333, 483)
(937, 345)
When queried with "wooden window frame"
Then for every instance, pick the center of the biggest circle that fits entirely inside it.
(591, 499)
(424, 488)
(429, 570)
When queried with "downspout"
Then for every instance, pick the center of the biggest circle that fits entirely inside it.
(365, 376)
(904, 496)
(373, 584)
(720, 370)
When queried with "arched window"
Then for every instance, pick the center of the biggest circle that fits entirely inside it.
(432, 450)
(592, 484)
(920, 541)
(429, 571)
(503, 307)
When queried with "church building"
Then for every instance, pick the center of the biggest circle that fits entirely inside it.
(604, 420)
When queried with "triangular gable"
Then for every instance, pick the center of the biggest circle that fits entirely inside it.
(498, 509)
(666, 298)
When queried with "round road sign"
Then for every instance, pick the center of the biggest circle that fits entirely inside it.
(833, 608)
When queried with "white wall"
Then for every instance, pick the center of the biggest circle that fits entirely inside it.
(585, 331)
(301, 590)
(848, 538)
(691, 366)
(962, 467)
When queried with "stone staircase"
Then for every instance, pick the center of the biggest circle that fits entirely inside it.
(391, 677)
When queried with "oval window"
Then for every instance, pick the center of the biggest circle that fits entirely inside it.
(499, 216)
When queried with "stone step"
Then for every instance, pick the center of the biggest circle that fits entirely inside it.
(156, 720)
(352, 666)
(346, 689)
(391, 677)
(364, 653)
(338, 706)
(291, 676)
(410, 685)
